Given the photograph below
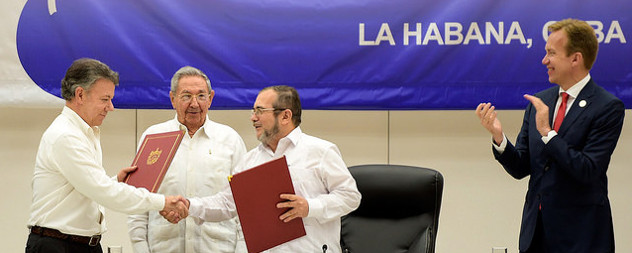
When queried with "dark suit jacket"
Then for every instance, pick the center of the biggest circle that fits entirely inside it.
(568, 175)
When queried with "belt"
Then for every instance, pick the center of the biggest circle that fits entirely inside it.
(54, 233)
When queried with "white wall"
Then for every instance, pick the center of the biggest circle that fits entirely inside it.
(481, 205)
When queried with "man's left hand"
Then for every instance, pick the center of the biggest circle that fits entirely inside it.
(122, 175)
(541, 115)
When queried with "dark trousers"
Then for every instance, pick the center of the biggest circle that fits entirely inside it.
(43, 244)
(538, 244)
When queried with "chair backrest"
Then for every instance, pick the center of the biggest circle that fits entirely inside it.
(399, 211)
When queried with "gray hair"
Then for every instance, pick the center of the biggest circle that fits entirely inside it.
(84, 73)
(188, 71)
(287, 98)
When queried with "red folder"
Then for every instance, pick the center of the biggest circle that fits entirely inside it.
(256, 192)
(153, 159)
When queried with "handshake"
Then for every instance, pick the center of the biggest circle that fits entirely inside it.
(176, 208)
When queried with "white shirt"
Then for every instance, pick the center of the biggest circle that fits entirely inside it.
(318, 174)
(70, 185)
(200, 167)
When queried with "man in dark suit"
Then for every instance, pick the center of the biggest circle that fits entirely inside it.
(565, 151)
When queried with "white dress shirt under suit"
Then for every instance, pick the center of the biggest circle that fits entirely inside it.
(201, 167)
(70, 187)
(318, 174)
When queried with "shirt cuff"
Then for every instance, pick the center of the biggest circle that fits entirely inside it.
(195, 209)
(158, 201)
(500, 148)
(549, 136)
(315, 208)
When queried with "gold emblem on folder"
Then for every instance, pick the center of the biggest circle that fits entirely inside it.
(154, 156)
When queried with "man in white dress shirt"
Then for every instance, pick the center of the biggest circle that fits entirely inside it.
(325, 190)
(201, 166)
(70, 187)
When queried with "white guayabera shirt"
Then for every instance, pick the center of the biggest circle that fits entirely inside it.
(200, 167)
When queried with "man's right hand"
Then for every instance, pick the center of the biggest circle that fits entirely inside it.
(175, 208)
(487, 114)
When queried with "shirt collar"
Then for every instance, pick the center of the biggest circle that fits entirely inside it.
(574, 90)
(79, 122)
(205, 127)
(292, 138)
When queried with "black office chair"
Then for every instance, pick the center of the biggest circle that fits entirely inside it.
(399, 211)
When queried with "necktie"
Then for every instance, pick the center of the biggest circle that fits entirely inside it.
(560, 112)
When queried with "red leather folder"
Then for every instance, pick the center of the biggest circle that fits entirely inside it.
(153, 159)
(256, 192)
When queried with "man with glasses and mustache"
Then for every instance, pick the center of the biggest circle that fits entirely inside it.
(325, 190)
(206, 156)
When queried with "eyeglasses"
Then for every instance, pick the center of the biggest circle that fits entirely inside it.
(187, 97)
(260, 110)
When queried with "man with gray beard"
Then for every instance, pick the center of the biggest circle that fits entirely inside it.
(325, 190)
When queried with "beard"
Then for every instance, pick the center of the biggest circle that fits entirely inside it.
(269, 134)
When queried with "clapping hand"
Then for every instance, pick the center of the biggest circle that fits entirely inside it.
(486, 112)
(541, 115)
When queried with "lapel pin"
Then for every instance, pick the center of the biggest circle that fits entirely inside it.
(582, 103)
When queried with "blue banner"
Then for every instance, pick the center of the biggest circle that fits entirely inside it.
(342, 54)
